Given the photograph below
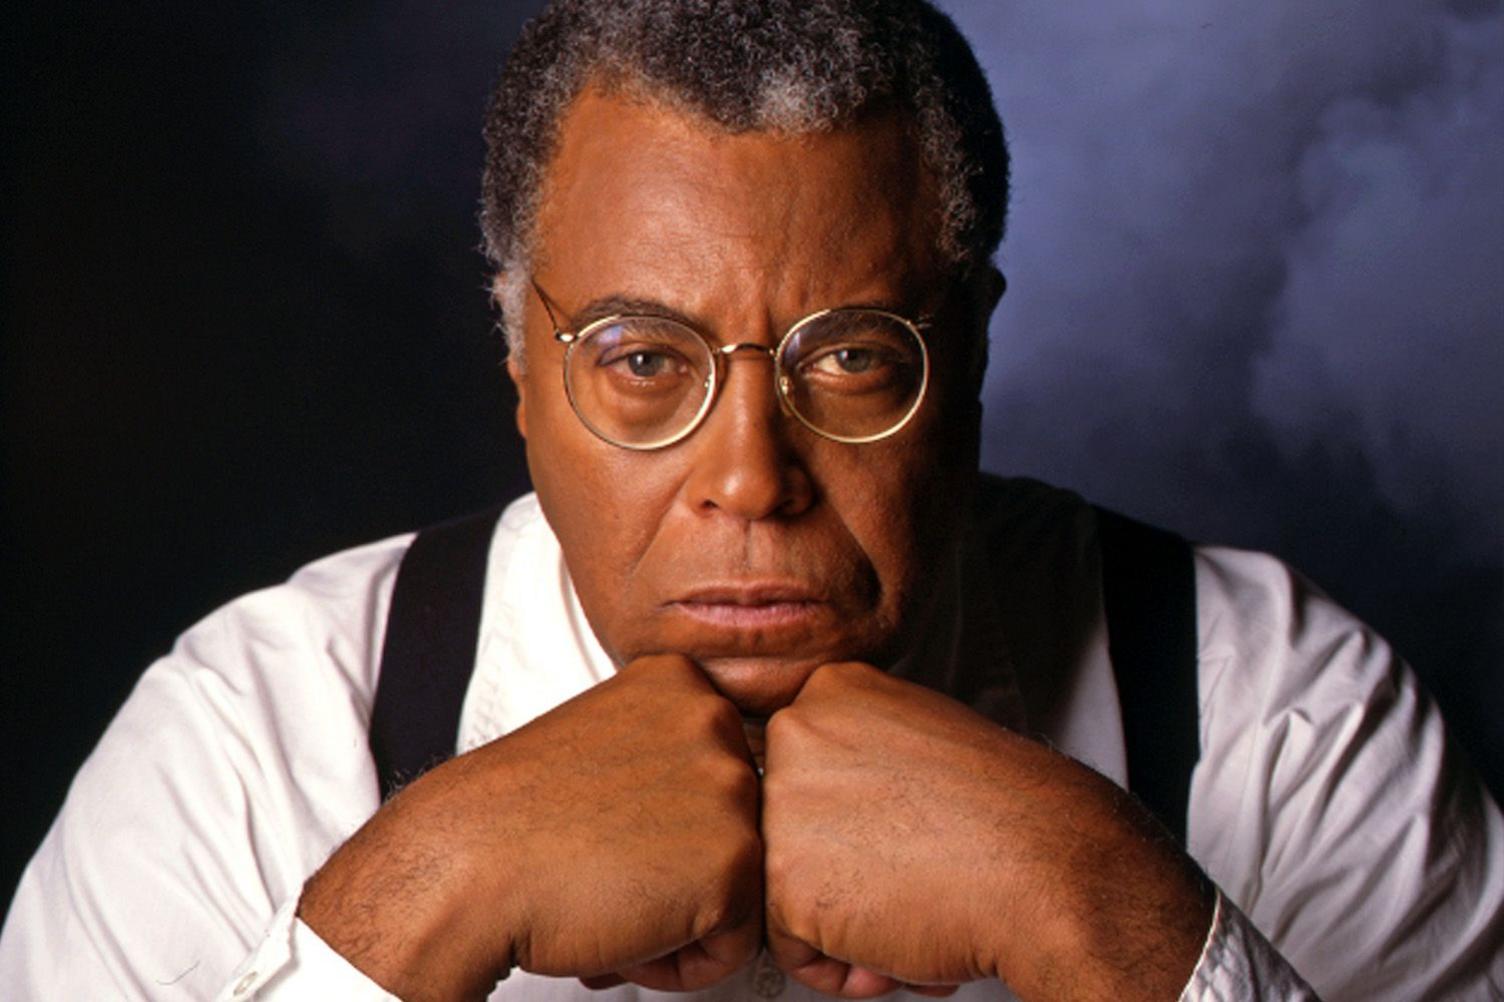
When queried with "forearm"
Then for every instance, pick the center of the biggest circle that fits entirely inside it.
(399, 906)
(1119, 911)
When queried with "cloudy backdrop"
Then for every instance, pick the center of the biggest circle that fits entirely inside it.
(1256, 260)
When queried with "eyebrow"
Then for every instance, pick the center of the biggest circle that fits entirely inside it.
(617, 304)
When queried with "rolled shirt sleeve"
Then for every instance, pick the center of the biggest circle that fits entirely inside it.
(1239, 965)
(292, 964)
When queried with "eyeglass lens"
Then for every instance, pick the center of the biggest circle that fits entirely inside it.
(643, 382)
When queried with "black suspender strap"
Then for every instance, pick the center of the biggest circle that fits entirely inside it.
(433, 626)
(1149, 591)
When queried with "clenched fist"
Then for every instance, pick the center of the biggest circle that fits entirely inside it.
(614, 837)
(911, 840)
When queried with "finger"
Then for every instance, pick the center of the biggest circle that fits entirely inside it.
(736, 945)
(704, 962)
(839, 979)
(668, 667)
(601, 981)
(841, 680)
(826, 975)
(689, 968)
(861, 983)
(932, 991)
(789, 952)
(680, 669)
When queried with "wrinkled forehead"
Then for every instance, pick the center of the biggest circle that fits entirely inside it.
(640, 191)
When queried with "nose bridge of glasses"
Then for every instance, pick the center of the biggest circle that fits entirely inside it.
(727, 350)
(725, 353)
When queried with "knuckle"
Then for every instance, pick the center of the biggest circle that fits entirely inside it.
(662, 666)
(723, 714)
(784, 725)
(779, 872)
(731, 776)
(835, 675)
(741, 781)
(788, 913)
(791, 732)
(707, 713)
(846, 672)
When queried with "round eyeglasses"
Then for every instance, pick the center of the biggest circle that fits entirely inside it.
(639, 381)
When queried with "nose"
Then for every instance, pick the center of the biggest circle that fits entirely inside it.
(744, 462)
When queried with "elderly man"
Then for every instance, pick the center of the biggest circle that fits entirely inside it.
(766, 692)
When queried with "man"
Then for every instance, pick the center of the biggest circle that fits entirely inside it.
(761, 667)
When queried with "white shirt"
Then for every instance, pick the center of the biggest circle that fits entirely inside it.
(1327, 803)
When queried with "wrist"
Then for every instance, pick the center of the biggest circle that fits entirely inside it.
(398, 902)
(1135, 937)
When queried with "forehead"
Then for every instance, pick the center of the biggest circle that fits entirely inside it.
(645, 199)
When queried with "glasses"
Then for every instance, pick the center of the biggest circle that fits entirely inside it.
(644, 382)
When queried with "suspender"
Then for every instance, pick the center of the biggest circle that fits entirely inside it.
(429, 653)
(1149, 592)
(1148, 586)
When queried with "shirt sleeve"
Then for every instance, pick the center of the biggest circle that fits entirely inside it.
(293, 964)
(1239, 965)
(236, 766)
(1329, 804)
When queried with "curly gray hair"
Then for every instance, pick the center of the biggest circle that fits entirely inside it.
(790, 66)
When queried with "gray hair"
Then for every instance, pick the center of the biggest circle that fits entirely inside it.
(792, 66)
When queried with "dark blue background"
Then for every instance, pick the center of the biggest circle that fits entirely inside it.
(245, 322)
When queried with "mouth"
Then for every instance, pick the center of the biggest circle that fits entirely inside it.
(758, 640)
(761, 605)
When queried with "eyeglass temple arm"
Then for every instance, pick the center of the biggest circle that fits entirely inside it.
(559, 332)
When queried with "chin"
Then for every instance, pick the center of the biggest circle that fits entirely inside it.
(759, 686)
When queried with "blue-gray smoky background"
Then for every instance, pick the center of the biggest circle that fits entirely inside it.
(1256, 264)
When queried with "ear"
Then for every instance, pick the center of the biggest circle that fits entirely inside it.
(519, 380)
(994, 284)
(515, 368)
(985, 291)
(979, 293)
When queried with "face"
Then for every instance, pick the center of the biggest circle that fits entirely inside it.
(754, 546)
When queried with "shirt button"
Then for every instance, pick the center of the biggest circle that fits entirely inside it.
(767, 980)
(245, 983)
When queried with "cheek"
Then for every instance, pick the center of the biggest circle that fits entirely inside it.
(602, 503)
(937, 475)
(595, 504)
(891, 500)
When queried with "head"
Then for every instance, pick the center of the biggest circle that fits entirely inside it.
(742, 165)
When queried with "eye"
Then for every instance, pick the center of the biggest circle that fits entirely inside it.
(647, 364)
(642, 353)
(847, 361)
(852, 364)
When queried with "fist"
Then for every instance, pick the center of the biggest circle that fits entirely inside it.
(911, 840)
(870, 851)
(613, 838)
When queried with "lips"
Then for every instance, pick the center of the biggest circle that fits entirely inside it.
(759, 606)
(750, 593)
(758, 640)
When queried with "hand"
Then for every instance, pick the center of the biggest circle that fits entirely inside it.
(613, 838)
(909, 839)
